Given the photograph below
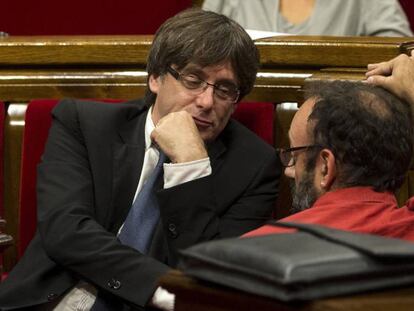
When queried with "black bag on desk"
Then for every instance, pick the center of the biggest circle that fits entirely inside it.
(314, 262)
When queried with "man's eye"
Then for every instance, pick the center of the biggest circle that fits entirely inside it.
(192, 82)
(226, 90)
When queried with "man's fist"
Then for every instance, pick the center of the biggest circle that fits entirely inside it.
(177, 136)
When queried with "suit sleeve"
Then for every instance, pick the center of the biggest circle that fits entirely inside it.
(70, 233)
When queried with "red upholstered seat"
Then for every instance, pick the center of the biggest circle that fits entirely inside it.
(256, 116)
(408, 6)
(2, 118)
(93, 17)
(37, 123)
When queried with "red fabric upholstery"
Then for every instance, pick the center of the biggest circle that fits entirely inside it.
(2, 118)
(49, 17)
(408, 6)
(256, 116)
(37, 123)
(93, 17)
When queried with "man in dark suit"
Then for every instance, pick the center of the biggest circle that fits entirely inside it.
(221, 179)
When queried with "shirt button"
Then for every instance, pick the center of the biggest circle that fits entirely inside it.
(51, 296)
(114, 284)
(173, 230)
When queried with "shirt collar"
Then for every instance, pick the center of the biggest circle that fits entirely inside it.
(149, 127)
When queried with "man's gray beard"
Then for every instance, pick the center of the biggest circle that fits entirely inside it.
(304, 194)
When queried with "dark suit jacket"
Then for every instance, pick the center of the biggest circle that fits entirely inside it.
(86, 183)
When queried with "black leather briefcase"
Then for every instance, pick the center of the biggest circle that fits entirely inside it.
(314, 262)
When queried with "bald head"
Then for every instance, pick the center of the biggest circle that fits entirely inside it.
(300, 132)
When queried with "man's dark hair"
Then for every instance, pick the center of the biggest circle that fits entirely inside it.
(368, 129)
(203, 38)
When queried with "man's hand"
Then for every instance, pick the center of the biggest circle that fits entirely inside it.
(177, 136)
(396, 75)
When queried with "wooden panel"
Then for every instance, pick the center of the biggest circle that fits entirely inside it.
(95, 66)
(74, 50)
(299, 51)
(23, 85)
(323, 51)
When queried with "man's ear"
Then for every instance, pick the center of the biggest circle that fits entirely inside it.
(154, 83)
(326, 169)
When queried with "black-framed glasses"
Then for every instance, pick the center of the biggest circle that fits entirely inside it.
(287, 155)
(223, 92)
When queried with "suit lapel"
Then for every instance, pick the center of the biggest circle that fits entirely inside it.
(128, 157)
(215, 150)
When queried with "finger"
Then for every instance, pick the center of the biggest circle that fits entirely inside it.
(373, 66)
(153, 136)
(377, 65)
(384, 69)
(379, 81)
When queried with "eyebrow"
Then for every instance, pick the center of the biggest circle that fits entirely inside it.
(193, 69)
(197, 70)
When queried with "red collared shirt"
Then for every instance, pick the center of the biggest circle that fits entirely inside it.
(358, 209)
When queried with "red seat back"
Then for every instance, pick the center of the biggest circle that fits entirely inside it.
(93, 17)
(256, 116)
(37, 123)
(408, 6)
(2, 118)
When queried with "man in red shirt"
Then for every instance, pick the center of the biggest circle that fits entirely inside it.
(351, 146)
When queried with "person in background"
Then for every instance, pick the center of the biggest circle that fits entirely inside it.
(351, 147)
(317, 17)
(104, 236)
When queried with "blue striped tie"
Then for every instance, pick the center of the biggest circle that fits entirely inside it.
(144, 214)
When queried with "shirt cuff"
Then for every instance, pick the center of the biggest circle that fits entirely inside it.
(179, 173)
(163, 299)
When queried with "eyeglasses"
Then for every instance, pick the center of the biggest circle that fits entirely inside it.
(225, 93)
(287, 155)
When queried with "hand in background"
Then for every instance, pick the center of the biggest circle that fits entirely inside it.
(396, 75)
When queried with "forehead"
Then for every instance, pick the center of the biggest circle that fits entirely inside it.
(299, 134)
(220, 70)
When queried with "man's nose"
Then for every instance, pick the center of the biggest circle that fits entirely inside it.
(206, 98)
(290, 171)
